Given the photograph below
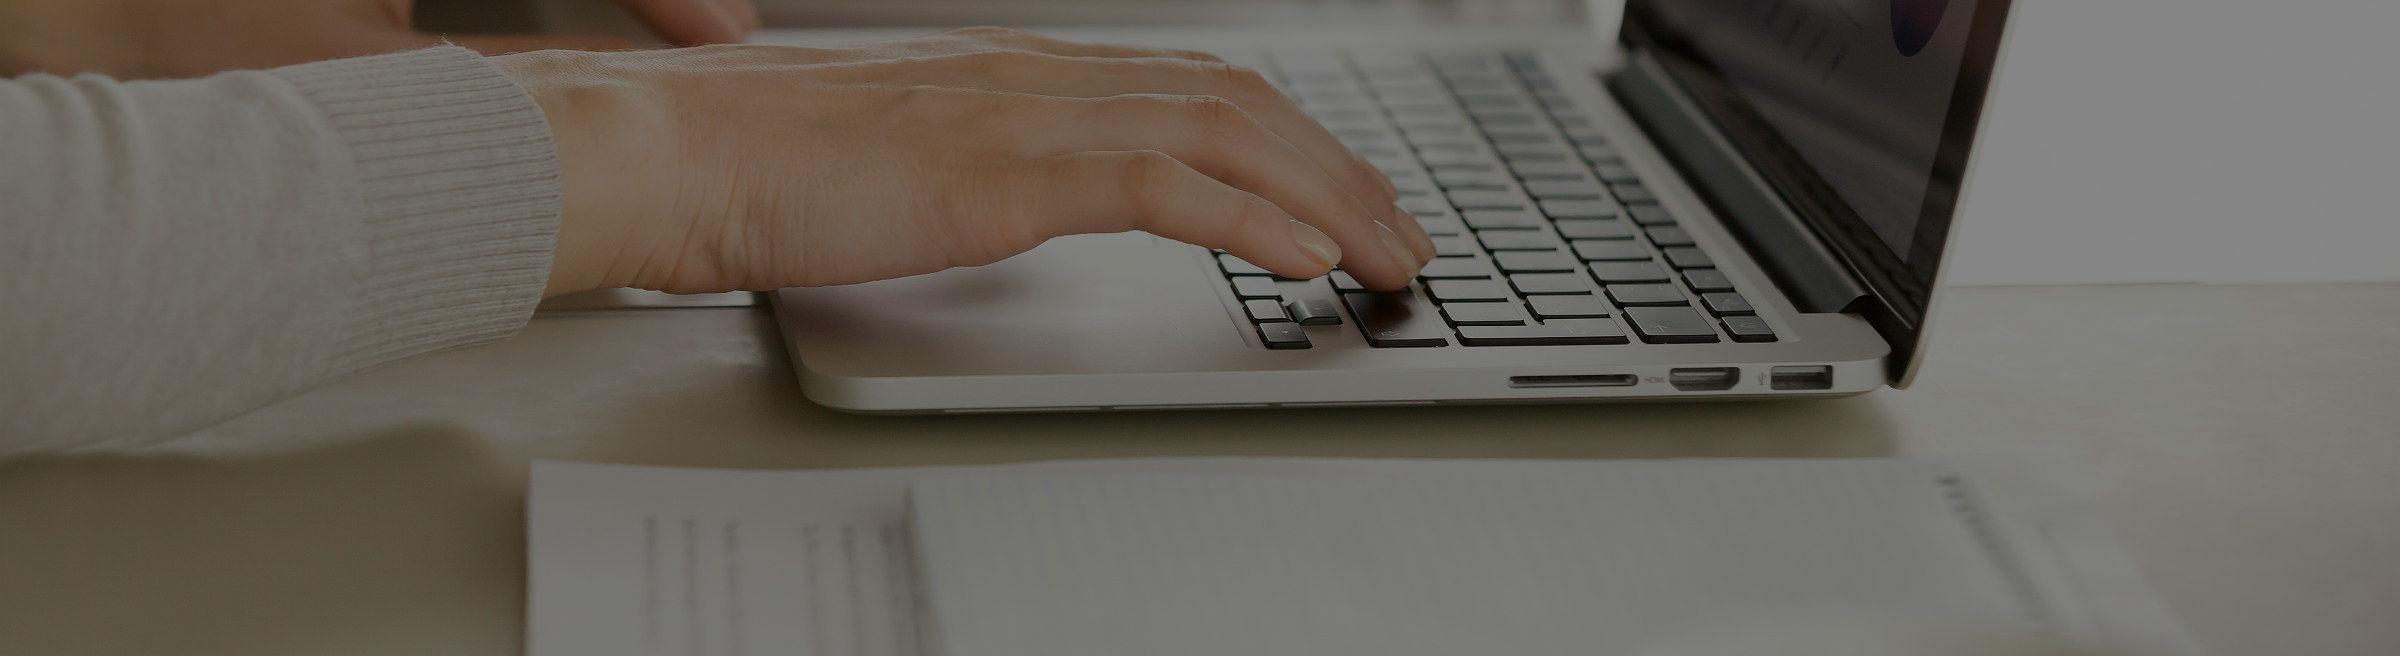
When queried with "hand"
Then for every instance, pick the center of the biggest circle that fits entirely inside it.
(188, 38)
(755, 167)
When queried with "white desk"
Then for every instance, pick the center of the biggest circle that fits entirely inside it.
(2253, 435)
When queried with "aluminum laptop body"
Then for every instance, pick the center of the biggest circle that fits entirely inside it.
(1788, 170)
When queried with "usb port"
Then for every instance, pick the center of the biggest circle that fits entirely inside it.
(1704, 379)
(1811, 377)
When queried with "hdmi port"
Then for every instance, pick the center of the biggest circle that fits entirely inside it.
(1586, 380)
(1706, 379)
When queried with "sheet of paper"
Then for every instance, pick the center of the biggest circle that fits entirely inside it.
(657, 560)
(1608, 558)
(653, 560)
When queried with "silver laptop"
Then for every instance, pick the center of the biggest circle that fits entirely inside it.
(1723, 199)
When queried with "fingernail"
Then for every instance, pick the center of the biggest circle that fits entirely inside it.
(1400, 253)
(1422, 242)
(1317, 244)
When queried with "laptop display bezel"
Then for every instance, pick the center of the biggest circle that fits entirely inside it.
(1901, 288)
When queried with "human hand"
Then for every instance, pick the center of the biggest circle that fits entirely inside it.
(756, 167)
(183, 38)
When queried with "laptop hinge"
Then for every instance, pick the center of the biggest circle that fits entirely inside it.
(1806, 271)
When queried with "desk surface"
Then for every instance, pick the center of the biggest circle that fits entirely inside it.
(2252, 435)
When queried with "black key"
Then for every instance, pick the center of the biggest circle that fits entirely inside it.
(1342, 282)
(1255, 287)
(1282, 335)
(1563, 332)
(1671, 325)
(1313, 313)
(1749, 329)
(1708, 280)
(1465, 145)
(1647, 294)
(1404, 109)
(1634, 194)
(1567, 305)
(1480, 83)
(1485, 313)
(1688, 257)
(1454, 129)
(1579, 209)
(1423, 207)
(1264, 310)
(1651, 215)
(1724, 303)
(1540, 170)
(1594, 229)
(1398, 319)
(1550, 283)
(1235, 266)
(1547, 190)
(1466, 290)
(1610, 273)
(1504, 219)
(1455, 159)
(1440, 226)
(1533, 151)
(1514, 134)
(1604, 250)
(1534, 261)
(1453, 246)
(1516, 118)
(1462, 179)
(1538, 157)
(1614, 174)
(1518, 240)
(1457, 268)
(1487, 200)
(1666, 236)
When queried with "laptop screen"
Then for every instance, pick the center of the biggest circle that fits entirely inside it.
(1858, 112)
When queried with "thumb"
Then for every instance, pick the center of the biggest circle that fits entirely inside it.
(501, 44)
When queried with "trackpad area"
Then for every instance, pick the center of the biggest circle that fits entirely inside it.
(1126, 301)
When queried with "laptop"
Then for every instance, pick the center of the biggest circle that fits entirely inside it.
(1725, 199)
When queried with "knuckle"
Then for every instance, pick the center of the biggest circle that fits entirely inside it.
(1240, 81)
(1255, 215)
(1195, 55)
(1218, 120)
(1147, 175)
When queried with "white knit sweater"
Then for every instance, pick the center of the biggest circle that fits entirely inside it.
(175, 253)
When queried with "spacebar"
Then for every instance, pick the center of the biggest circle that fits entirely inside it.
(1398, 319)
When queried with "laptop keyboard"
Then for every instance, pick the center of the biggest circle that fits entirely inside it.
(1546, 238)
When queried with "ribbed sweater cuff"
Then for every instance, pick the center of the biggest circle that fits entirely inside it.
(459, 182)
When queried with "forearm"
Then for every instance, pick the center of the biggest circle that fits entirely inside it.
(176, 253)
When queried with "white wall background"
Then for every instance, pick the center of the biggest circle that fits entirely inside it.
(2190, 140)
(2223, 141)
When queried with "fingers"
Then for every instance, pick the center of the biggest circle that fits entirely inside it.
(982, 39)
(502, 44)
(1217, 138)
(1092, 77)
(1151, 191)
(697, 22)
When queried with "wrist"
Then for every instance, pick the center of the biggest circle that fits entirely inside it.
(602, 148)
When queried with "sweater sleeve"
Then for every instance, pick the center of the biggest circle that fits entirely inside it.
(175, 253)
